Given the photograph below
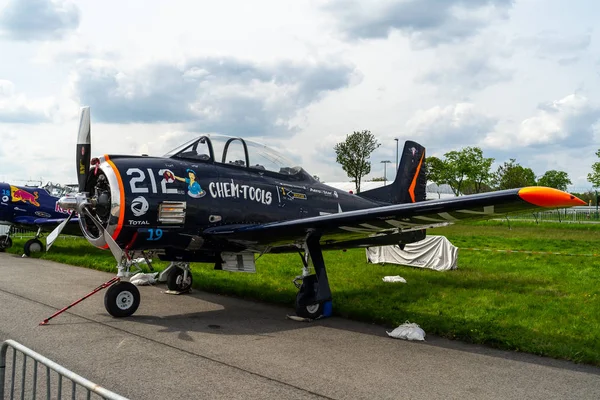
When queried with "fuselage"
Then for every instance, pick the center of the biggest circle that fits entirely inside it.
(168, 202)
(27, 206)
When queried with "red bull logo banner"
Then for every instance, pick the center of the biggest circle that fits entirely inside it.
(24, 196)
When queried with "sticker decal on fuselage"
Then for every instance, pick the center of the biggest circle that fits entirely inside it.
(139, 206)
(291, 194)
(329, 193)
(194, 188)
(59, 209)
(219, 190)
(24, 196)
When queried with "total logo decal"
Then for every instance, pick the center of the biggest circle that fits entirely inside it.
(139, 207)
(134, 222)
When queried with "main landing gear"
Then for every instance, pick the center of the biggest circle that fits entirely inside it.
(31, 246)
(314, 296)
(34, 245)
(5, 242)
(178, 276)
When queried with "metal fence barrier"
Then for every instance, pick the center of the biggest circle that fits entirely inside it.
(560, 215)
(17, 231)
(28, 377)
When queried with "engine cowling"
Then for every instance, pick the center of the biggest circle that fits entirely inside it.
(106, 198)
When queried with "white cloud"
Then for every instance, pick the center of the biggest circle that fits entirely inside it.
(470, 66)
(426, 22)
(38, 19)
(223, 95)
(570, 120)
(17, 108)
(564, 48)
(300, 76)
(453, 125)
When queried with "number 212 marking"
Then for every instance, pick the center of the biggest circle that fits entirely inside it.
(139, 177)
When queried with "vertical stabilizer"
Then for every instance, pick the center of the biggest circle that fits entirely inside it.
(410, 183)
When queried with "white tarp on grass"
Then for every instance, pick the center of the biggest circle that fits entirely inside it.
(433, 252)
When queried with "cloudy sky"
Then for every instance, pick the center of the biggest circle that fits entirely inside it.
(519, 78)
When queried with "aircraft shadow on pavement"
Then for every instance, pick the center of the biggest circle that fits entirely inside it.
(236, 316)
(221, 315)
(236, 320)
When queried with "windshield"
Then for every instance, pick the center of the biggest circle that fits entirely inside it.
(235, 151)
(58, 190)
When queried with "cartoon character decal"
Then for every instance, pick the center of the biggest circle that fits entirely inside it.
(194, 188)
(24, 196)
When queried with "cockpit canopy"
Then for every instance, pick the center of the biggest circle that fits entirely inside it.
(235, 151)
(58, 190)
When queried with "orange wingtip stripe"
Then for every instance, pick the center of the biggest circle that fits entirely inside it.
(549, 197)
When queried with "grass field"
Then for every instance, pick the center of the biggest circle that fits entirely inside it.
(544, 304)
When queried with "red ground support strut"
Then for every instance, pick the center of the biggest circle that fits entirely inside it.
(99, 288)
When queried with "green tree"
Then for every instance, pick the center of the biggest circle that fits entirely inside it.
(435, 170)
(555, 179)
(457, 169)
(594, 177)
(465, 170)
(353, 155)
(480, 174)
(378, 179)
(512, 175)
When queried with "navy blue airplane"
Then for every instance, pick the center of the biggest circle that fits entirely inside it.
(33, 208)
(227, 200)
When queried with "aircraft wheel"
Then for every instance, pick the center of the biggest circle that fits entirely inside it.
(175, 280)
(312, 311)
(122, 299)
(33, 246)
(5, 242)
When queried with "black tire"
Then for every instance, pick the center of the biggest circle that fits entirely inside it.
(175, 280)
(33, 246)
(122, 299)
(5, 242)
(312, 311)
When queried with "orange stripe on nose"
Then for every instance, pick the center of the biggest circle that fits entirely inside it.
(121, 200)
(549, 197)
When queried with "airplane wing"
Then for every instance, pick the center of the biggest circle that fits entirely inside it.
(29, 220)
(351, 226)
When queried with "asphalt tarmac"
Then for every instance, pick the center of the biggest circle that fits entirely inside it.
(206, 346)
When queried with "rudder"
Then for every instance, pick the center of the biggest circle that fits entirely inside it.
(410, 183)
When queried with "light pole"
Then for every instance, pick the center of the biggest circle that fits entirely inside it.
(385, 163)
(396, 139)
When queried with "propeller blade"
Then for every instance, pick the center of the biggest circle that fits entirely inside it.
(84, 148)
(112, 245)
(54, 234)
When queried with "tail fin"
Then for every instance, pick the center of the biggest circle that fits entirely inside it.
(410, 183)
